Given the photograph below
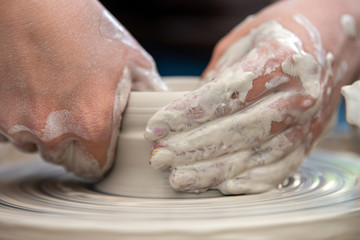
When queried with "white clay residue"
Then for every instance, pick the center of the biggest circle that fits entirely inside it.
(111, 29)
(341, 71)
(329, 60)
(210, 138)
(57, 124)
(211, 100)
(247, 48)
(120, 100)
(237, 68)
(304, 66)
(329, 63)
(271, 67)
(352, 99)
(276, 81)
(68, 153)
(349, 25)
(312, 70)
(314, 35)
(61, 122)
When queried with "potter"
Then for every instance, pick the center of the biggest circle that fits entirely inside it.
(269, 92)
(69, 73)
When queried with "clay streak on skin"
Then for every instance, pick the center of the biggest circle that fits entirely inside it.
(348, 23)
(314, 34)
(68, 153)
(241, 130)
(58, 123)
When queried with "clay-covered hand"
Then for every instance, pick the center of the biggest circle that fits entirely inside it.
(66, 71)
(269, 92)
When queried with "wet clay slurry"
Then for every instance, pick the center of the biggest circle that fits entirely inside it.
(132, 174)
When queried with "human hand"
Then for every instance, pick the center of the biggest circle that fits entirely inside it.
(269, 92)
(66, 71)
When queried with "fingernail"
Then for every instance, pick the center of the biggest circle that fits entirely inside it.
(155, 133)
(182, 180)
(161, 158)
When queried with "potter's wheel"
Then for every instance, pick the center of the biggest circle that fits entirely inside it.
(41, 201)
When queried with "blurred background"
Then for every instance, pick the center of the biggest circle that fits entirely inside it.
(181, 34)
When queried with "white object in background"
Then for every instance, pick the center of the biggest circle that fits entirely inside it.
(352, 100)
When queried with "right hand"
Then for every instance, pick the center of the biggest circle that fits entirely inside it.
(269, 92)
(66, 71)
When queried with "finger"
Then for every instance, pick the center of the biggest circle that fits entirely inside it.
(208, 102)
(275, 61)
(80, 156)
(211, 101)
(22, 137)
(230, 92)
(202, 176)
(239, 131)
(264, 178)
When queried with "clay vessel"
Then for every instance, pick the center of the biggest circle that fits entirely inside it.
(132, 175)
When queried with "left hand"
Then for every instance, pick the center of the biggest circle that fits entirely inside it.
(66, 71)
(270, 90)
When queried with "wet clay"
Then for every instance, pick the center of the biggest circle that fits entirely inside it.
(132, 175)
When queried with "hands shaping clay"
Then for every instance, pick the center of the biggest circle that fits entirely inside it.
(269, 92)
(67, 68)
